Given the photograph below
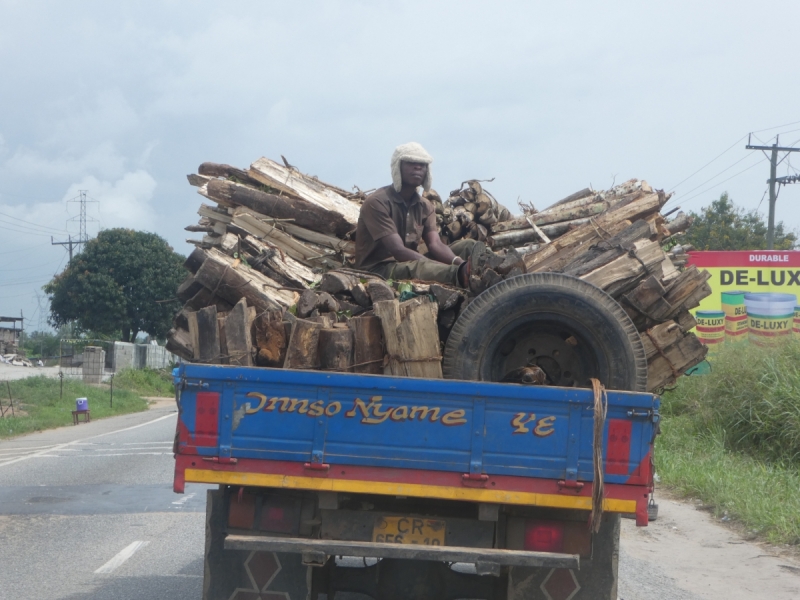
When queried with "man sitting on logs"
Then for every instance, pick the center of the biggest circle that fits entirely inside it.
(395, 219)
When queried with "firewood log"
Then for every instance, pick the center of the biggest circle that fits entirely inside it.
(336, 349)
(303, 348)
(305, 214)
(368, 344)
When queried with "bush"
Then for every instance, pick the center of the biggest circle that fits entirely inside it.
(751, 399)
(145, 382)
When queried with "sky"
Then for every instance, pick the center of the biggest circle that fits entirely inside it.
(124, 99)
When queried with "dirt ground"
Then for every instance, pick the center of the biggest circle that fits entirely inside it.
(686, 554)
(12, 373)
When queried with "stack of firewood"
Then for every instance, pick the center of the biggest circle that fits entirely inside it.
(620, 250)
(469, 213)
(271, 281)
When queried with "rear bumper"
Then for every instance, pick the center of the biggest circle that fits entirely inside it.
(317, 551)
(496, 489)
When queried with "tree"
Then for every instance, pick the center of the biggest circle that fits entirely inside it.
(118, 284)
(725, 226)
(43, 344)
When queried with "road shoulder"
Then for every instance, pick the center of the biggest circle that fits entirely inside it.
(708, 560)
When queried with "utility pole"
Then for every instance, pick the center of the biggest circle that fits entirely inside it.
(773, 179)
(69, 243)
(81, 220)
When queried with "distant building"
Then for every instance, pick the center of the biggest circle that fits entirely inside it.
(10, 337)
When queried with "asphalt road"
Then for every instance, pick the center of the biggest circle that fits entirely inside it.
(88, 513)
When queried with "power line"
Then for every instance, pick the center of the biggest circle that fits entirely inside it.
(37, 225)
(29, 229)
(672, 189)
(773, 180)
(24, 249)
(28, 268)
(684, 200)
(18, 283)
(717, 175)
(24, 231)
(778, 127)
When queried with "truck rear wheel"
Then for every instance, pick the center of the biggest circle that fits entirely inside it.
(567, 327)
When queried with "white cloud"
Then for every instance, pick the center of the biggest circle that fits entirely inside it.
(125, 202)
(103, 159)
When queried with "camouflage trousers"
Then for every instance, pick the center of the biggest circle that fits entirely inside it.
(427, 269)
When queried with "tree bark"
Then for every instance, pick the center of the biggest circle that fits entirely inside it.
(412, 337)
(237, 333)
(207, 336)
(336, 349)
(210, 169)
(232, 280)
(368, 344)
(303, 213)
(303, 349)
(313, 191)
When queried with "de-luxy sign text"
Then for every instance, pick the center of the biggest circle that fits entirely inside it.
(755, 295)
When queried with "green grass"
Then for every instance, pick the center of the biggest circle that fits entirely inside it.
(732, 439)
(38, 405)
(145, 382)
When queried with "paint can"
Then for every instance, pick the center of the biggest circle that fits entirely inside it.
(735, 315)
(770, 316)
(82, 404)
(796, 327)
(710, 327)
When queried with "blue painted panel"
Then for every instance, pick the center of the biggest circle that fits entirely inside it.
(371, 420)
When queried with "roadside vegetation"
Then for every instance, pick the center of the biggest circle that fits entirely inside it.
(39, 405)
(731, 438)
(145, 382)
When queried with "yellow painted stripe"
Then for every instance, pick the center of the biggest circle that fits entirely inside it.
(405, 489)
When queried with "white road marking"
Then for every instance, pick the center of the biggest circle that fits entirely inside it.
(184, 500)
(120, 558)
(25, 448)
(146, 443)
(103, 455)
(76, 442)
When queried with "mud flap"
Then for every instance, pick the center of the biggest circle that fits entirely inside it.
(246, 574)
(595, 580)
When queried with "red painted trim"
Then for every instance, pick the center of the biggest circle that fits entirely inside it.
(761, 333)
(735, 319)
(207, 419)
(735, 333)
(509, 483)
(179, 483)
(618, 448)
(716, 329)
(763, 259)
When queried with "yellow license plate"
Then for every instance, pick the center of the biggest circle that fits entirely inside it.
(408, 530)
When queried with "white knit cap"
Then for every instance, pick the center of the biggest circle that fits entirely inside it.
(410, 152)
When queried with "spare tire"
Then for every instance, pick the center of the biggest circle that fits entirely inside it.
(569, 328)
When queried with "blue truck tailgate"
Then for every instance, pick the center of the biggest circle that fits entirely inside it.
(487, 442)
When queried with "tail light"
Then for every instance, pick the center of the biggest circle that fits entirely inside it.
(544, 536)
(550, 535)
(264, 512)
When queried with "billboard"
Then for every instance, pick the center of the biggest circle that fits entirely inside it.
(754, 296)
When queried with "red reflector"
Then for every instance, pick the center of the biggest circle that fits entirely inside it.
(618, 449)
(544, 536)
(206, 422)
(281, 515)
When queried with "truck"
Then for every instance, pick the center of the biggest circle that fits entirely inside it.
(333, 483)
